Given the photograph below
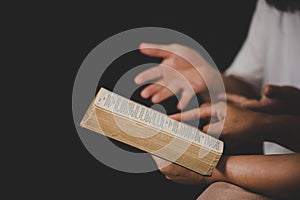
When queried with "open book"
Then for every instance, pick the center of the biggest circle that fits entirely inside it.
(149, 130)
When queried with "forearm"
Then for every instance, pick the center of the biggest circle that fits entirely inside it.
(271, 175)
(238, 86)
(282, 129)
(233, 85)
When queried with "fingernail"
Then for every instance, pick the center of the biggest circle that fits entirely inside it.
(143, 44)
(179, 106)
(270, 90)
(138, 80)
(155, 99)
(144, 94)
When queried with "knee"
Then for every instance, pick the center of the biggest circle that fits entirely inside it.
(225, 191)
(214, 191)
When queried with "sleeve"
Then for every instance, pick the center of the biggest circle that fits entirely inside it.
(248, 64)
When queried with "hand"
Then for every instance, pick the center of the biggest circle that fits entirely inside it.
(240, 126)
(180, 174)
(179, 72)
(277, 100)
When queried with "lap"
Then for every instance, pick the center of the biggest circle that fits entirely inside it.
(224, 191)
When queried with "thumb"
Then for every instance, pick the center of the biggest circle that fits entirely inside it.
(214, 129)
(255, 104)
(160, 163)
(185, 98)
(187, 115)
(281, 92)
(233, 98)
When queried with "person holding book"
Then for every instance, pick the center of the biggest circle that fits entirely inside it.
(269, 58)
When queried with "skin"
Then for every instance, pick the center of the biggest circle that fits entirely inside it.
(241, 125)
(249, 171)
(191, 69)
(237, 122)
(280, 182)
(277, 100)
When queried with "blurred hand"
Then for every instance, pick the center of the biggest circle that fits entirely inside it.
(178, 72)
(240, 126)
(277, 100)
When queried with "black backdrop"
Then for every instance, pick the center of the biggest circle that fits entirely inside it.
(53, 39)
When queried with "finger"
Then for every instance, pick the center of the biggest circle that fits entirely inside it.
(151, 90)
(161, 163)
(217, 110)
(163, 94)
(155, 50)
(176, 116)
(205, 111)
(272, 91)
(281, 92)
(233, 98)
(185, 99)
(205, 128)
(149, 74)
(254, 104)
(222, 96)
(188, 115)
(214, 129)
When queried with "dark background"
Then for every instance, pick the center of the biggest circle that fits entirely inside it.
(45, 44)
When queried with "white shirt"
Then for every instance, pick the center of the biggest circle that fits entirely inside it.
(270, 54)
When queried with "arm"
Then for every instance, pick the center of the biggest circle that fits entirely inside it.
(282, 129)
(277, 100)
(236, 85)
(233, 85)
(271, 175)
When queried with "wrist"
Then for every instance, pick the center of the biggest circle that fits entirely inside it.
(219, 172)
(214, 84)
(266, 126)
